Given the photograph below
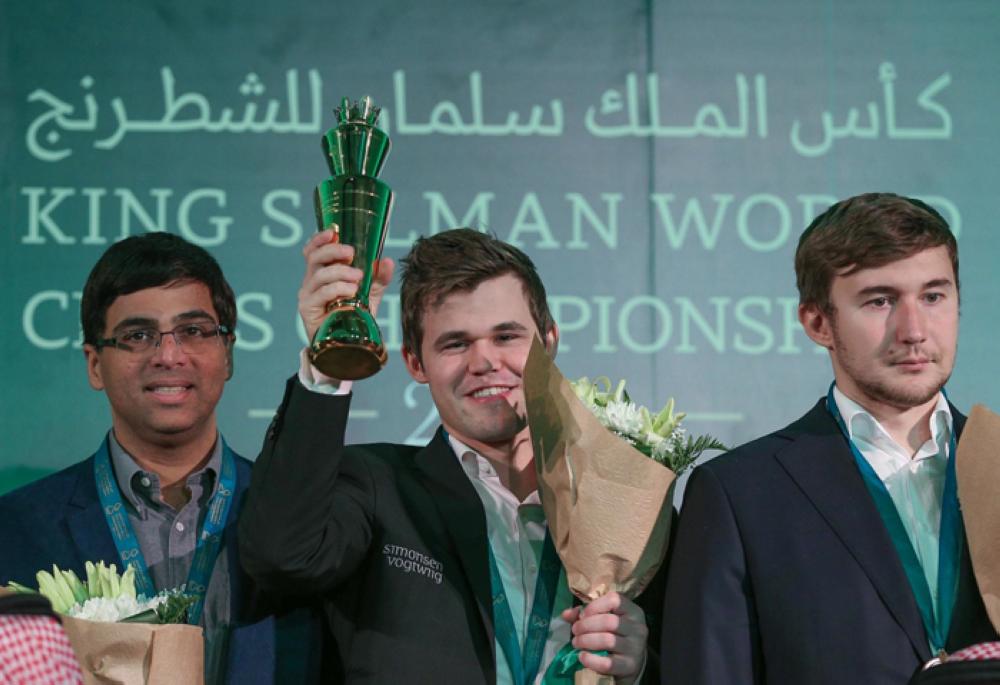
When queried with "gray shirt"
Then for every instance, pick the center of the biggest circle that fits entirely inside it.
(168, 537)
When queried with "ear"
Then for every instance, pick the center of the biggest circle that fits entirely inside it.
(93, 358)
(413, 365)
(817, 324)
(230, 344)
(551, 340)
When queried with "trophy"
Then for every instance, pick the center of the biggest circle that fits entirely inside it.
(348, 345)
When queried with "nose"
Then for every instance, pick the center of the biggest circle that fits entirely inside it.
(482, 357)
(169, 352)
(911, 322)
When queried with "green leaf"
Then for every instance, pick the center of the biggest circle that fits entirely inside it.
(147, 616)
(175, 608)
(76, 587)
(93, 580)
(128, 582)
(21, 589)
(685, 454)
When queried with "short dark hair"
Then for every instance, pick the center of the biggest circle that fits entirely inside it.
(148, 261)
(864, 232)
(459, 260)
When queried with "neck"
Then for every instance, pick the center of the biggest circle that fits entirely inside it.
(909, 427)
(514, 463)
(172, 461)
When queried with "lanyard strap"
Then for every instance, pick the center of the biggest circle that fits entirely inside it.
(524, 664)
(209, 538)
(936, 620)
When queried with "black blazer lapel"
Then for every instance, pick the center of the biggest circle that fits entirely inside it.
(85, 520)
(820, 462)
(463, 516)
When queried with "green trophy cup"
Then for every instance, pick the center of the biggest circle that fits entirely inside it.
(355, 204)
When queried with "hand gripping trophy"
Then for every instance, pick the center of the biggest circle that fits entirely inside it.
(355, 204)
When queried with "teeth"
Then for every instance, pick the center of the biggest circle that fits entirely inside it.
(490, 392)
(169, 389)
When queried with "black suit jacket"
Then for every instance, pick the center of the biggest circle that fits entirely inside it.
(391, 539)
(783, 572)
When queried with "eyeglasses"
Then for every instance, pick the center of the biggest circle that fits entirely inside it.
(193, 338)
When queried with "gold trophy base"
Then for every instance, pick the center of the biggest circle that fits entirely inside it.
(347, 362)
(348, 346)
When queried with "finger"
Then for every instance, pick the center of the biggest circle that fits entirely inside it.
(318, 300)
(604, 604)
(333, 273)
(599, 623)
(384, 270)
(329, 253)
(615, 665)
(596, 641)
(621, 627)
(571, 615)
(327, 235)
(324, 286)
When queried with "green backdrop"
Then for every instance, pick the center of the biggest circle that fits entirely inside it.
(658, 160)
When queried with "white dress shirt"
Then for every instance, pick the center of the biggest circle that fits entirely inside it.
(915, 482)
(516, 532)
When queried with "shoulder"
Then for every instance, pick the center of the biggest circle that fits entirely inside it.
(747, 460)
(379, 455)
(52, 490)
(34, 516)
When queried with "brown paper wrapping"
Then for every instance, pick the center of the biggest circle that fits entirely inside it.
(137, 653)
(977, 466)
(587, 677)
(607, 504)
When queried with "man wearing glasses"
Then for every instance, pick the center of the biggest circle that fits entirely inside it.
(163, 489)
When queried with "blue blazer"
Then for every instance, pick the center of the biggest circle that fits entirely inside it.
(58, 520)
(783, 572)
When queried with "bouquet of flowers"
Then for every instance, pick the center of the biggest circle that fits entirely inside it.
(119, 636)
(606, 471)
(107, 597)
(659, 437)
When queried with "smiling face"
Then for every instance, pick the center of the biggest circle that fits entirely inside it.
(475, 344)
(165, 397)
(893, 331)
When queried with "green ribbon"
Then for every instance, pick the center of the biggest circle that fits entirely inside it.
(565, 664)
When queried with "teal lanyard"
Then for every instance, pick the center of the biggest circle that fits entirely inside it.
(127, 544)
(950, 538)
(524, 664)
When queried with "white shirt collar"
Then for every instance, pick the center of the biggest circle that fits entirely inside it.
(478, 467)
(870, 436)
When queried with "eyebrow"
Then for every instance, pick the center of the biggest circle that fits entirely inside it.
(449, 336)
(146, 322)
(888, 289)
(194, 314)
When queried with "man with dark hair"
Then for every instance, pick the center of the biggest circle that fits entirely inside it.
(832, 551)
(433, 563)
(163, 490)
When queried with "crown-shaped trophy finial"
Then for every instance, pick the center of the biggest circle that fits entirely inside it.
(359, 112)
(356, 145)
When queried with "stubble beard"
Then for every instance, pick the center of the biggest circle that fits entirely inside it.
(899, 397)
(895, 394)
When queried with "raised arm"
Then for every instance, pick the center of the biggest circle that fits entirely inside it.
(306, 523)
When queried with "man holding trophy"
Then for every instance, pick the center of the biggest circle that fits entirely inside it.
(433, 563)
